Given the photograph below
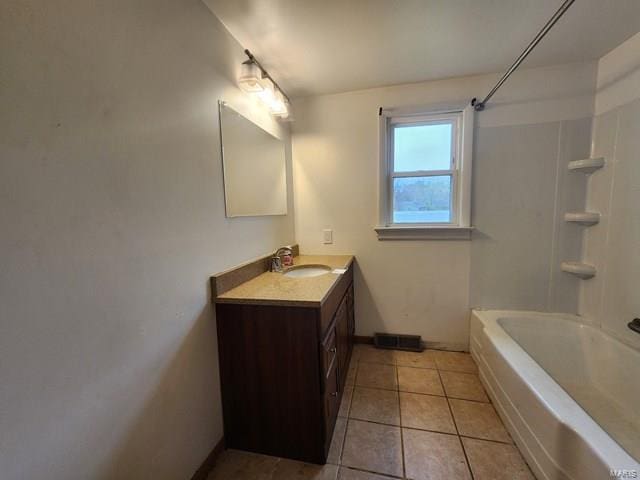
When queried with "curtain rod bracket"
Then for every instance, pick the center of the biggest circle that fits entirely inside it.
(477, 106)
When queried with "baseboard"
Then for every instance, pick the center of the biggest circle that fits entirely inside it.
(363, 340)
(205, 469)
(451, 347)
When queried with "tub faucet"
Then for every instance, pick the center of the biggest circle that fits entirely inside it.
(276, 260)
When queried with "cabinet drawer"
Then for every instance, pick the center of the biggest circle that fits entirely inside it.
(329, 352)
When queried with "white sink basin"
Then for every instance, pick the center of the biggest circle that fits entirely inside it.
(303, 271)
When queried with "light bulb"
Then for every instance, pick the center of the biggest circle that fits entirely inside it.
(278, 106)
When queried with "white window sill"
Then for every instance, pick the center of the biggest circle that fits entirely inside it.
(436, 232)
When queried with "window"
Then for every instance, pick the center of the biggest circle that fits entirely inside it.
(425, 175)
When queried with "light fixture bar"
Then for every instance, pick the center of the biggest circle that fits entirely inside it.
(265, 73)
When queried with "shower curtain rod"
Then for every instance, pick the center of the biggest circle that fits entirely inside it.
(479, 106)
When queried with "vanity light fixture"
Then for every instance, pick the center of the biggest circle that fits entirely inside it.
(256, 80)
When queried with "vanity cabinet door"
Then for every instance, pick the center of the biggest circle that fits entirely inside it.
(329, 354)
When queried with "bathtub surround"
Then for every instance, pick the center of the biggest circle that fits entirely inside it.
(112, 214)
(619, 76)
(522, 189)
(610, 300)
(524, 141)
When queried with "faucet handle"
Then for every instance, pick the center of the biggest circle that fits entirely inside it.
(284, 250)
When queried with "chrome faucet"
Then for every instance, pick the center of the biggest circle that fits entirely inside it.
(276, 260)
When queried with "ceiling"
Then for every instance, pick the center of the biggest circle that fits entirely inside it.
(324, 46)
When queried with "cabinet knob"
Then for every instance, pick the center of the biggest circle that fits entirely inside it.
(332, 350)
(334, 394)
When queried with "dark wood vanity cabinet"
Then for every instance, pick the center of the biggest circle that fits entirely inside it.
(283, 371)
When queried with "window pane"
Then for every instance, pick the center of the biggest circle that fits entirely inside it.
(422, 147)
(422, 199)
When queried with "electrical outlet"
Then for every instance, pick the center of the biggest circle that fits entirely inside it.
(327, 236)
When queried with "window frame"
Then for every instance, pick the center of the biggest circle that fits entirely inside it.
(462, 117)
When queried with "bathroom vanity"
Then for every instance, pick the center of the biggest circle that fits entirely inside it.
(284, 345)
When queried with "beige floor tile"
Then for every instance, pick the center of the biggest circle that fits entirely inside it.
(335, 449)
(353, 363)
(424, 359)
(357, 349)
(345, 403)
(419, 380)
(351, 374)
(478, 420)
(426, 412)
(495, 461)
(377, 355)
(292, 470)
(455, 362)
(463, 385)
(350, 474)
(376, 375)
(373, 447)
(429, 455)
(375, 405)
(243, 466)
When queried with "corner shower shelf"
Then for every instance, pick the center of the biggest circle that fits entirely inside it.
(583, 218)
(580, 270)
(588, 165)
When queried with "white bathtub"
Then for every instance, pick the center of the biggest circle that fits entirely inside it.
(568, 393)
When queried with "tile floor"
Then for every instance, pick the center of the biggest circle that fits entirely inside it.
(418, 416)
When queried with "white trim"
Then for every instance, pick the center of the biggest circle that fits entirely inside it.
(432, 109)
(440, 118)
(423, 232)
(423, 173)
(465, 168)
(460, 173)
(383, 173)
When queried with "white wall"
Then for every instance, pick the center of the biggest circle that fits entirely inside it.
(422, 287)
(112, 220)
(611, 300)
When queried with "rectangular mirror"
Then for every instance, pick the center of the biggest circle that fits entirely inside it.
(255, 176)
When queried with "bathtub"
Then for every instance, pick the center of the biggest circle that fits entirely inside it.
(568, 393)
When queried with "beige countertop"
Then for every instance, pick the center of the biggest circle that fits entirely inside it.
(273, 288)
